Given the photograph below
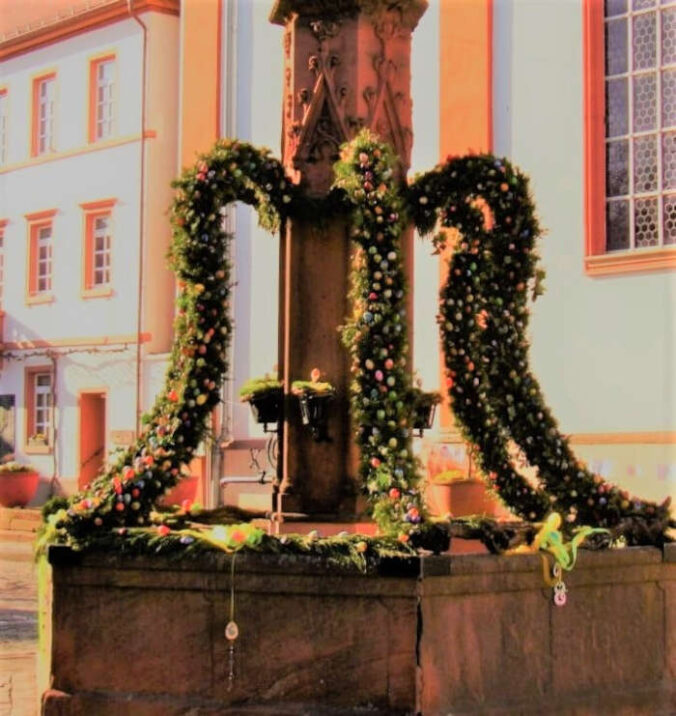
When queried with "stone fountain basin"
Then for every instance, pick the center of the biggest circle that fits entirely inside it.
(463, 634)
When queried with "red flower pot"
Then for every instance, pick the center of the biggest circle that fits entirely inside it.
(185, 489)
(17, 488)
(438, 499)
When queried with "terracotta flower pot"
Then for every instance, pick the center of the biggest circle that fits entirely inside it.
(185, 489)
(438, 499)
(17, 488)
(471, 497)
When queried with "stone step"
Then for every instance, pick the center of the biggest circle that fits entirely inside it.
(19, 519)
(17, 546)
(16, 537)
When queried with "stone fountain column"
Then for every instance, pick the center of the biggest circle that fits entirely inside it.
(346, 66)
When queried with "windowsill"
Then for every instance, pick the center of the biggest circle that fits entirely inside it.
(38, 298)
(37, 449)
(117, 141)
(634, 261)
(43, 155)
(103, 292)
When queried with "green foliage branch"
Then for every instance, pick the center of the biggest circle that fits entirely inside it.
(127, 491)
(376, 335)
(483, 320)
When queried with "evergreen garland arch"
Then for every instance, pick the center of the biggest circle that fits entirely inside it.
(127, 491)
(483, 319)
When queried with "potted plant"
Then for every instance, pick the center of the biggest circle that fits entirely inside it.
(314, 397)
(265, 396)
(439, 491)
(424, 407)
(18, 483)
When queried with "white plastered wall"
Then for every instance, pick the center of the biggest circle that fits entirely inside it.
(603, 348)
(63, 183)
(258, 119)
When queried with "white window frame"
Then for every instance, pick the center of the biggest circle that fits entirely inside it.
(104, 101)
(43, 263)
(42, 406)
(101, 275)
(2, 265)
(46, 114)
(4, 120)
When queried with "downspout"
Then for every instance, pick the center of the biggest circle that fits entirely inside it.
(228, 57)
(56, 415)
(141, 249)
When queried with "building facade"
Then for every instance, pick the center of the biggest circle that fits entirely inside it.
(89, 136)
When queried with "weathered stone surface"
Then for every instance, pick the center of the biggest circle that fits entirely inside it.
(471, 634)
(301, 636)
(493, 642)
(492, 648)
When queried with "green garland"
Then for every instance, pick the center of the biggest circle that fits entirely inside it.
(483, 321)
(484, 317)
(125, 494)
(376, 336)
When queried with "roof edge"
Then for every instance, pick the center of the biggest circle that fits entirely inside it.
(90, 16)
(283, 10)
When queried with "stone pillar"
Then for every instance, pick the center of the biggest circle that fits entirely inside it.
(346, 66)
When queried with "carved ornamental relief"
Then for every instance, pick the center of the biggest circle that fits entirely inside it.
(341, 74)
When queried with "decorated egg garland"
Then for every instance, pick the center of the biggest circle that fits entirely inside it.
(483, 319)
(376, 335)
(125, 494)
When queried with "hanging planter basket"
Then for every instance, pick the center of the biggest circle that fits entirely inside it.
(314, 398)
(266, 397)
(267, 407)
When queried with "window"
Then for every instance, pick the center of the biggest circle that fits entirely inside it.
(4, 102)
(631, 135)
(39, 413)
(44, 259)
(101, 98)
(40, 252)
(44, 114)
(101, 250)
(98, 244)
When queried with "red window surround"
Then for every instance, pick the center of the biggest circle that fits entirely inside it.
(599, 262)
(97, 249)
(40, 268)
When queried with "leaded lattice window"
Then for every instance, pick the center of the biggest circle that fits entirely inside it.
(640, 71)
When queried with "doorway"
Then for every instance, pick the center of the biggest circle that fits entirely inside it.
(92, 436)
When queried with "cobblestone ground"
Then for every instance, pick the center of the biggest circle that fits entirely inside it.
(18, 629)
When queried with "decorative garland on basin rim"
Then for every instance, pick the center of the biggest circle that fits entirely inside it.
(493, 392)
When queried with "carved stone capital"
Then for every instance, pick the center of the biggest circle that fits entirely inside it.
(347, 66)
(409, 11)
